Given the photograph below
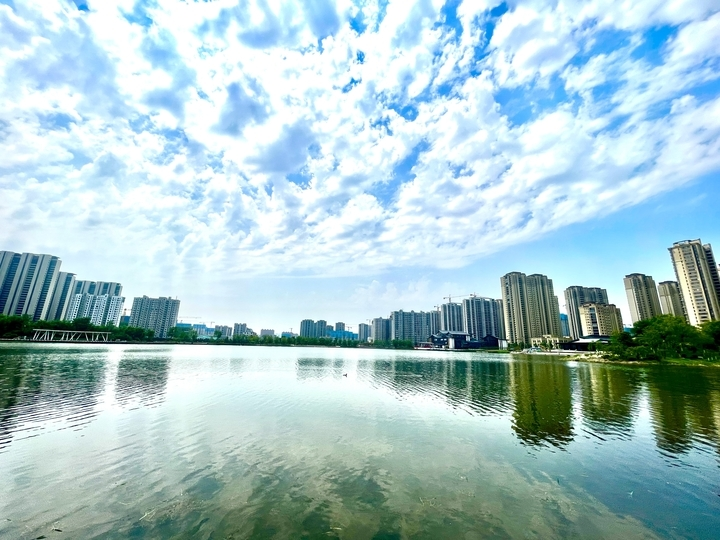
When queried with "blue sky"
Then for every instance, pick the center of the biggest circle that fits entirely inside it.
(271, 160)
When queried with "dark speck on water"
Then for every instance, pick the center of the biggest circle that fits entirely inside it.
(188, 442)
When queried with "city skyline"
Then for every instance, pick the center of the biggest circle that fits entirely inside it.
(395, 152)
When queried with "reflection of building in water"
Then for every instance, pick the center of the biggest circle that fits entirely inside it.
(38, 389)
(684, 403)
(319, 368)
(543, 402)
(141, 378)
(609, 397)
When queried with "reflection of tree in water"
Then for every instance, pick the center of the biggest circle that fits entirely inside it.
(609, 397)
(38, 388)
(479, 387)
(684, 403)
(319, 368)
(141, 379)
(543, 402)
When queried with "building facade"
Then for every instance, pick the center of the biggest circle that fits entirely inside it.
(530, 307)
(565, 325)
(339, 327)
(158, 314)
(226, 332)
(380, 329)
(98, 288)
(363, 332)
(481, 317)
(670, 299)
(697, 277)
(28, 282)
(415, 326)
(60, 299)
(642, 297)
(241, 329)
(600, 319)
(100, 309)
(576, 296)
(451, 317)
(267, 332)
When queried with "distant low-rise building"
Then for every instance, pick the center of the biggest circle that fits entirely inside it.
(266, 332)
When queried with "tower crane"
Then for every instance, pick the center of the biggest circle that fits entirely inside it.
(450, 296)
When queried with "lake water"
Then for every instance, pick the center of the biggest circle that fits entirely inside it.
(128, 441)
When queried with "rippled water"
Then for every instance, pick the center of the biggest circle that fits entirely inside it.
(249, 442)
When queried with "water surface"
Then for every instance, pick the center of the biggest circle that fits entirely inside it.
(127, 441)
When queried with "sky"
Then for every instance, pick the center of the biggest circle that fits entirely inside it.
(267, 161)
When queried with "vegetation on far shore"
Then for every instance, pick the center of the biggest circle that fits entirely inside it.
(23, 327)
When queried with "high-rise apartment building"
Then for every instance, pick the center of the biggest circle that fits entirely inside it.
(415, 326)
(451, 317)
(226, 332)
(380, 329)
(697, 277)
(565, 325)
(27, 281)
(100, 309)
(98, 288)
(61, 296)
(576, 296)
(530, 307)
(321, 328)
(307, 328)
(340, 327)
(241, 329)
(670, 299)
(158, 314)
(481, 317)
(363, 332)
(642, 297)
(600, 319)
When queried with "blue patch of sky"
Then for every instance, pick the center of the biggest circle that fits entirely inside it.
(358, 23)
(56, 121)
(384, 123)
(382, 11)
(79, 159)
(140, 124)
(499, 10)
(461, 170)
(402, 173)
(523, 104)
(8, 3)
(300, 178)
(706, 91)
(138, 15)
(315, 151)
(449, 18)
(352, 84)
(603, 42)
(360, 57)
(651, 48)
(81, 5)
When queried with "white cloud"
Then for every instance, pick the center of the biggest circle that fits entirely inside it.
(173, 142)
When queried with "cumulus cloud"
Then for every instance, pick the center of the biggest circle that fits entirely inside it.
(336, 138)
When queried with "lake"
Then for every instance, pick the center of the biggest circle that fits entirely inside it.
(133, 441)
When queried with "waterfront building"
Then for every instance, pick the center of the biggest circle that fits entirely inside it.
(340, 327)
(265, 332)
(158, 314)
(307, 328)
(98, 288)
(565, 325)
(100, 309)
(380, 329)
(670, 299)
(600, 319)
(697, 276)
(321, 328)
(415, 326)
(500, 323)
(28, 282)
(451, 317)
(287, 335)
(530, 307)
(226, 332)
(125, 318)
(642, 297)
(363, 332)
(61, 296)
(481, 318)
(241, 329)
(576, 296)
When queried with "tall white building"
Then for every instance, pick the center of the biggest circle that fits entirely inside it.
(576, 296)
(158, 314)
(61, 297)
(100, 309)
(380, 329)
(451, 317)
(670, 299)
(27, 282)
(481, 317)
(363, 332)
(98, 288)
(241, 329)
(642, 297)
(530, 307)
(697, 277)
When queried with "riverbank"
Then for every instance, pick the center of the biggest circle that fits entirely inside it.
(598, 358)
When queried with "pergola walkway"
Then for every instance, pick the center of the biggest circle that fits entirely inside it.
(71, 335)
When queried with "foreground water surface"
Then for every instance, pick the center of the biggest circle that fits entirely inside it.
(127, 441)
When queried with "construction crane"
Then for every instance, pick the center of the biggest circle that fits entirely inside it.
(450, 296)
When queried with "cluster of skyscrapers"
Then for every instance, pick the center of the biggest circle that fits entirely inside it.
(32, 284)
(529, 311)
(321, 329)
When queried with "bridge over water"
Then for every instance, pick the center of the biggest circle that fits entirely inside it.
(70, 336)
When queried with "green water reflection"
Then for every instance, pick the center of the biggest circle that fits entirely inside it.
(230, 442)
